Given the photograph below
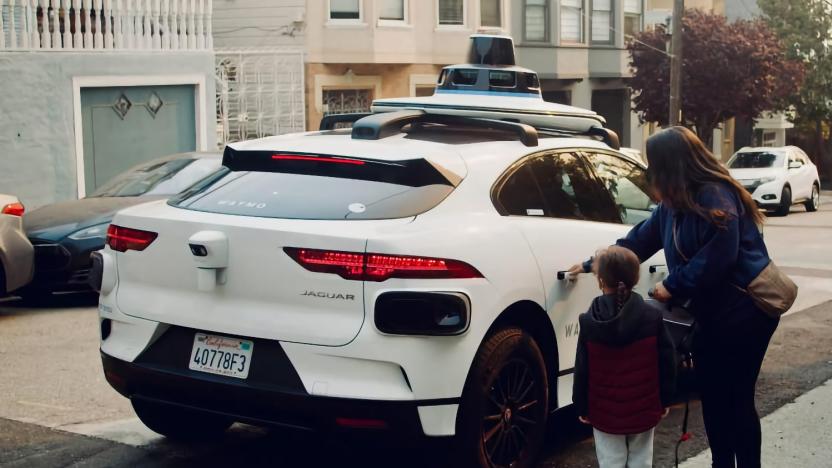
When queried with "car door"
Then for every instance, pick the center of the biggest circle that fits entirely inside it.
(809, 173)
(796, 176)
(565, 216)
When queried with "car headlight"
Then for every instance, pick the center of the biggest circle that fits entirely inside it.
(92, 232)
(765, 180)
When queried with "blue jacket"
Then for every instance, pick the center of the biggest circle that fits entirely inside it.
(719, 257)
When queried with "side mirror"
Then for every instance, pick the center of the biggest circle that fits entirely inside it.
(795, 165)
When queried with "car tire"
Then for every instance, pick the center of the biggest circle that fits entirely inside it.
(813, 203)
(505, 403)
(180, 423)
(785, 202)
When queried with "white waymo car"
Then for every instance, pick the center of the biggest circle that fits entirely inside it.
(777, 178)
(401, 276)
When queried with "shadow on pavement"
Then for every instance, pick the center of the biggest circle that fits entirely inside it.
(48, 301)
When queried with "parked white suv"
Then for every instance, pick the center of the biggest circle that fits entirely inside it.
(403, 276)
(777, 177)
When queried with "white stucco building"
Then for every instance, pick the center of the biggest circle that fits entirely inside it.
(90, 89)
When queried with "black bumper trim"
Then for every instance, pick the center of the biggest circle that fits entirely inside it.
(261, 405)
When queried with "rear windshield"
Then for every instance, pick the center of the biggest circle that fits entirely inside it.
(755, 160)
(302, 186)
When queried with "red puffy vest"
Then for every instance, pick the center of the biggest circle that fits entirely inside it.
(624, 396)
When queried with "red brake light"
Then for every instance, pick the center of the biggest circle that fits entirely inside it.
(14, 209)
(122, 239)
(379, 267)
(327, 159)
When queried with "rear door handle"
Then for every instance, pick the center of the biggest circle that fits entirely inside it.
(655, 268)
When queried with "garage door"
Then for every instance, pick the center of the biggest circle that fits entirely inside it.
(125, 126)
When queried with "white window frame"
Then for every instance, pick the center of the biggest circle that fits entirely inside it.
(547, 27)
(501, 26)
(405, 21)
(611, 33)
(95, 81)
(639, 15)
(582, 23)
(457, 27)
(330, 21)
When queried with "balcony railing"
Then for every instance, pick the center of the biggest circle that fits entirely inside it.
(105, 24)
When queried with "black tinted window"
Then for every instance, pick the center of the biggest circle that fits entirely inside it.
(570, 191)
(299, 196)
(519, 194)
(465, 77)
(627, 185)
(306, 186)
(756, 160)
(502, 79)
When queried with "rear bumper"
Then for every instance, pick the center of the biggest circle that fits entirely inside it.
(63, 266)
(273, 395)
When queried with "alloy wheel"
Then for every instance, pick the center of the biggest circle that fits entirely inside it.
(510, 417)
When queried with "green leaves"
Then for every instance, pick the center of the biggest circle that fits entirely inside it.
(729, 70)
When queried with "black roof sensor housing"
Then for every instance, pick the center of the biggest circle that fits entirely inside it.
(488, 49)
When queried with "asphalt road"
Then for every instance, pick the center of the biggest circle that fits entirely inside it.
(57, 410)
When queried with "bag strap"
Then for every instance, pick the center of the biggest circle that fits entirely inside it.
(676, 242)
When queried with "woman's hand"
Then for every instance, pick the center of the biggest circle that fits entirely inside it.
(660, 293)
(584, 420)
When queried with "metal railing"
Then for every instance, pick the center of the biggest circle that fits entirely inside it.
(105, 24)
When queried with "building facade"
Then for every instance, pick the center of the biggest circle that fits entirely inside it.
(578, 47)
(91, 89)
(360, 50)
(259, 46)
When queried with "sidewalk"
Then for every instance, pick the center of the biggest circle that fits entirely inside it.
(796, 435)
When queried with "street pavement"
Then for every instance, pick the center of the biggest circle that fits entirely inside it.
(57, 410)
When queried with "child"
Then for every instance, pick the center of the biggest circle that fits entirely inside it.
(625, 367)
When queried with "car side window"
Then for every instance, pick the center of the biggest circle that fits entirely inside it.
(627, 184)
(569, 189)
(520, 196)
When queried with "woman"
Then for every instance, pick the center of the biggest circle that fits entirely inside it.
(716, 249)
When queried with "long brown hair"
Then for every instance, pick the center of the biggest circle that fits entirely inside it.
(679, 164)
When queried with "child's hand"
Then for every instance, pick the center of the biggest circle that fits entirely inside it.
(576, 269)
(584, 420)
(666, 412)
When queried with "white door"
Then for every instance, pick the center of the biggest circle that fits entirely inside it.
(565, 215)
(795, 175)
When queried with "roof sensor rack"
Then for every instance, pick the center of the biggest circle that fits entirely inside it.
(328, 122)
(384, 124)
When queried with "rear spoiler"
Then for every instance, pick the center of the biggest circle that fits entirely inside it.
(409, 172)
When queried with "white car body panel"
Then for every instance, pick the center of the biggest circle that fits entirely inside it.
(334, 345)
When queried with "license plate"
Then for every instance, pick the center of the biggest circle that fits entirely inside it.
(214, 354)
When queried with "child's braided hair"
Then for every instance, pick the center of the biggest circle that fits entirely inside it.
(617, 267)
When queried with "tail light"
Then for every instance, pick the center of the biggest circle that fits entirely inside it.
(14, 209)
(379, 267)
(122, 239)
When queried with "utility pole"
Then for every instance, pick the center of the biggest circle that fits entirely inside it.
(676, 63)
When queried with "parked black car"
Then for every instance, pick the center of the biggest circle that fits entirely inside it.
(65, 234)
